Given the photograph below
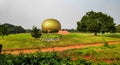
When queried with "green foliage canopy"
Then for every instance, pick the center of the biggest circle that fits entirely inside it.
(12, 29)
(118, 28)
(3, 30)
(6, 29)
(35, 32)
(96, 22)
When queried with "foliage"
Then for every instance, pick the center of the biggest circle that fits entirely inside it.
(96, 22)
(106, 44)
(118, 28)
(101, 55)
(35, 32)
(3, 30)
(54, 31)
(113, 35)
(39, 58)
(6, 29)
(12, 29)
(44, 31)
(98, 56)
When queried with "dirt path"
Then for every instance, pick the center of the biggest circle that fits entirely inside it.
(17, 51)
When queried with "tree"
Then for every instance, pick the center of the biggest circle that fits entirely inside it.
(118, 28)
(6, 29)
(35, 32)
(19, 29)
(96, 22)
(12, 29)
(3, 30)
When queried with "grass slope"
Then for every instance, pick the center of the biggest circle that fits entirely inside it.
(26, 41)
(107, 55)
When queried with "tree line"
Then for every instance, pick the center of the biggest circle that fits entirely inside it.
(6, 29)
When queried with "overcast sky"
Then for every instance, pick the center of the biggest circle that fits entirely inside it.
(27, 13)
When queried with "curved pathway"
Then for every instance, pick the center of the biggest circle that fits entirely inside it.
(60, 49)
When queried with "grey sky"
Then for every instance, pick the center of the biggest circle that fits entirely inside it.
(33, 12)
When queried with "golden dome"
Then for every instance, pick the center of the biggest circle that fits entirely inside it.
(50, 24)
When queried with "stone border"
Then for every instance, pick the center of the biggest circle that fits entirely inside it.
(50, 39)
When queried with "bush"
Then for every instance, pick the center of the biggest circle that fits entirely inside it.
(39, 58)
(106, 44)
(36, 32)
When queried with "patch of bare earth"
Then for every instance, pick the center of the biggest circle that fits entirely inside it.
(88, 57)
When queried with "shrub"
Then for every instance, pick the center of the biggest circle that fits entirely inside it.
(36, 32)
(106, 44)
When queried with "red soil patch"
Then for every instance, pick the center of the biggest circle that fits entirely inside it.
(88, 57)
(64, 32)
(60, 49)
(74, 59)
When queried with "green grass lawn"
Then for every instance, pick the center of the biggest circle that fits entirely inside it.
(110, 54)
(26, 41)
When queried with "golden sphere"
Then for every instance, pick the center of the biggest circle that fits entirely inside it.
(50, 24)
